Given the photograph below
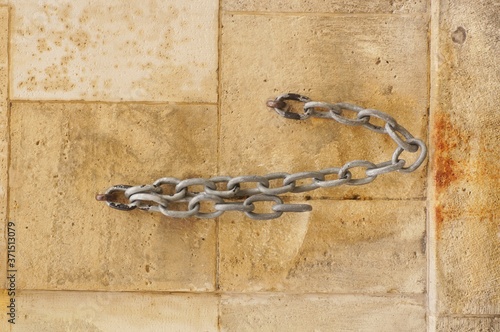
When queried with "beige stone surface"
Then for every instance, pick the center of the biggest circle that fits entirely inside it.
(4, 135)
(323, 6)
(65, 153)
(357, 262)
(468, 324)
(49, 311)
(339, 247)
(111, 50)
(465, 168)
(321, 313)
(375, 62)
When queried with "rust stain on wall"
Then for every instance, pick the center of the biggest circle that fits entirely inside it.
(445, 141)
(446, 170)
(463, 167)
(465, 164)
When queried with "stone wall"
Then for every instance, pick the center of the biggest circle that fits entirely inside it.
(96, 93)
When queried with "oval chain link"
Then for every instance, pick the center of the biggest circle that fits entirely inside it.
(227, 193)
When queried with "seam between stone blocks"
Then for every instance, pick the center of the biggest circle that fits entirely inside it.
(219, 129)
(218, 158)
(233, 293)
(8, 126)
(321, 14)
(471, 316)
(107, 102)
(431, 305)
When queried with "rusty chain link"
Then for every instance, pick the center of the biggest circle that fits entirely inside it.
(225, 193)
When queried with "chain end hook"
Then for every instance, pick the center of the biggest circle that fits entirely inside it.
(274, 103)
(109, 198)
(282, 108)
(102, 197)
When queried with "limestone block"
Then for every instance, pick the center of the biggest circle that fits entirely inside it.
(4, 35)
(321, 6)
(321, 313)
(375, 62)
(47, 311)
(465, 168)
(468, 324)
(4, 134)
(65, 153)
(339, 247)
(108, 50)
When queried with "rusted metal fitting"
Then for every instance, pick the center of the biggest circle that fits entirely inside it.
(102, 197)
(273, 103)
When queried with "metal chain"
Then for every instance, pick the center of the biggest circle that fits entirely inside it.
(226, 193)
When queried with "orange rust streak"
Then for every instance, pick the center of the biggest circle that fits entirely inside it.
(444, 173)
(439, 220)
(446, 170)
(445, 138)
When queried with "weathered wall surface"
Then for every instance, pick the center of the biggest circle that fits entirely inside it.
(114, 51)
(465, 170)
(95, 93)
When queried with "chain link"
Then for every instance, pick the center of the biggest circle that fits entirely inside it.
(225, 193)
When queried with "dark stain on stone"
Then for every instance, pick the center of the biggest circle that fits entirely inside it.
(459, 35)
(388, 90)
